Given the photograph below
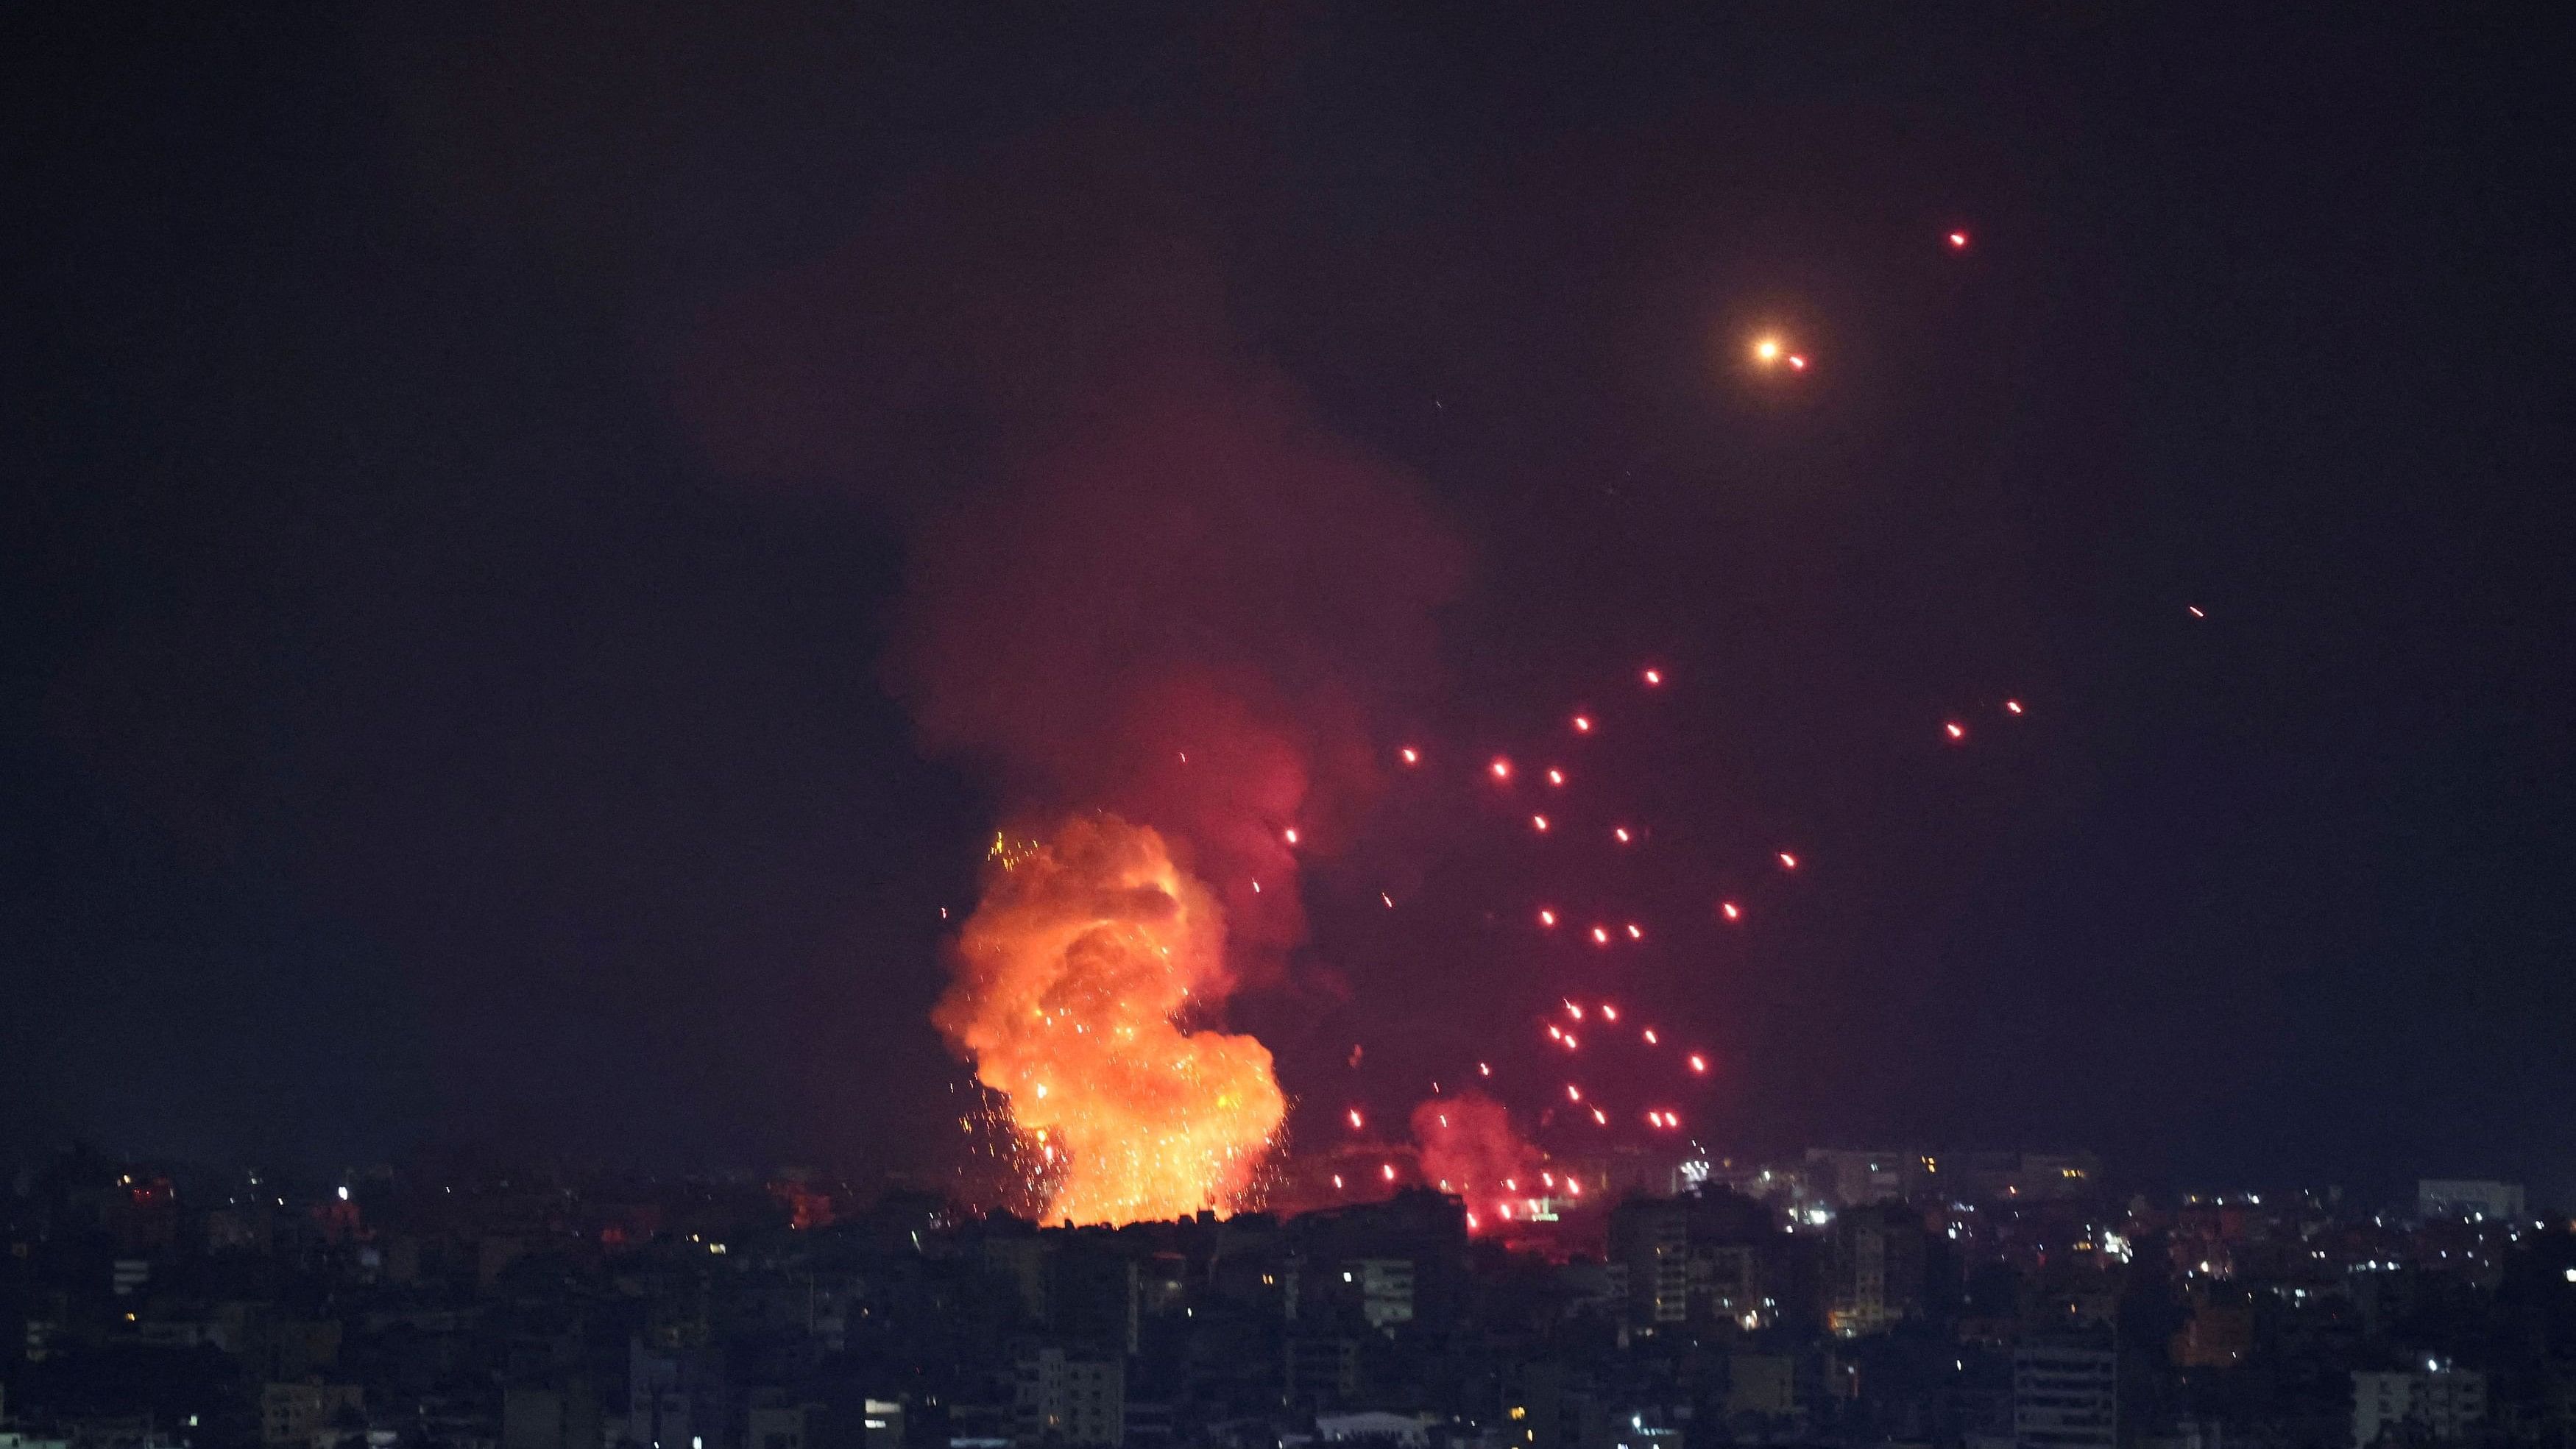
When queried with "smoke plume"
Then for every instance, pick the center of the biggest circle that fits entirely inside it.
(1166, 605)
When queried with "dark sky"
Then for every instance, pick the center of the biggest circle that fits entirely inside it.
(464, 469)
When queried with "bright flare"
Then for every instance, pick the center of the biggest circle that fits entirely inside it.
(1069, 980)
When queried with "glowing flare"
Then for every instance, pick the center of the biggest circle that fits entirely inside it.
(1767, 350)
(1068, 982)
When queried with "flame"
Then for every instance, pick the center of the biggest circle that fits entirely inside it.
(1071, 982)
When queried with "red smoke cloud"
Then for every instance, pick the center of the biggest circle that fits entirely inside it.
(1469, 1148)
(1143, 575)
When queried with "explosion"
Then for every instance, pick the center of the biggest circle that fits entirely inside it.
(1085, 956)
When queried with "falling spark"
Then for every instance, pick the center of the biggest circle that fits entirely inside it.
(1653, 677)
(1600, 1116)
(1570, 1043)
(1636, 932)
(2012, 706)
(1650, 1036)
(1355, 1119)
(1388, 1171)
(1620, 834)
(1698, 1063)
(1337, 1179)
(1556, 777)
(1582, 724)
(1539, 824)
(1547, 918)
(1601, 935)
(1955, 730)
(1555, 1033)
(1573, 1093)
(1609, 1012)
(1501, 767)
(1797, 363)
(1574, 1011)
(1073, 972)
(2195, 611)
(1788, 861)
(1412, 756)
(1730, 910)
(1484, 1069)
(1958, 241)
(1291, 833)
(1390, 900)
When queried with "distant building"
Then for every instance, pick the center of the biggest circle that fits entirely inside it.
(881, 1424)
(777, 1419)
(554, 1417)
(1761, 1384)
(294, 1413)
(1076, 1396)
(1375, 1427)
(1385, 1288)
(1877, 1269)
(677, 1398)
(1849, 1178)
(2468, 1198)
(2065, 1397)
(1650, 1237)
(2437, 1402)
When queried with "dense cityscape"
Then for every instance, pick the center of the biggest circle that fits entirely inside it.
(1846, 1298)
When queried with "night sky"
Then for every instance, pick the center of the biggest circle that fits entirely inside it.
(541, 542)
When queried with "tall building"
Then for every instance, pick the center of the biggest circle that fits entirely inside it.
(2436, 1402)
(1877, 1269)
(2065, 1397)
(1651, 1238)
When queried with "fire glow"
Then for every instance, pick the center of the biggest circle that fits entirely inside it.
(1070, 980)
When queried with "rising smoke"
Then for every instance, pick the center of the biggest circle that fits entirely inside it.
(1162, 622)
